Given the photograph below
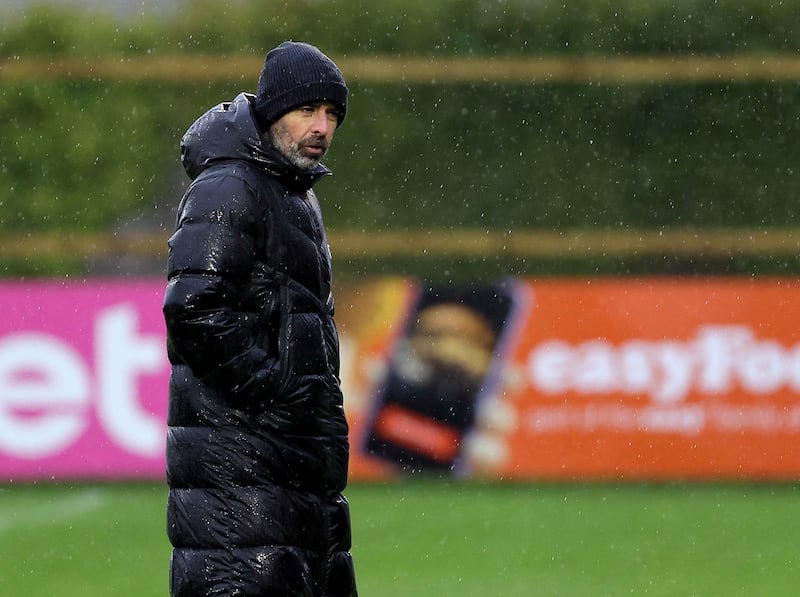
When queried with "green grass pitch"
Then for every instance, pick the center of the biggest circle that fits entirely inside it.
(441, 539)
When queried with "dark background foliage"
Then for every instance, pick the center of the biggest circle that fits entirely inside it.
(82, 154)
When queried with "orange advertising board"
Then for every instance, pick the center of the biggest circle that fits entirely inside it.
(650, 379)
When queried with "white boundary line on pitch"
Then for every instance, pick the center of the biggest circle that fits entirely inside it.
(54, 510)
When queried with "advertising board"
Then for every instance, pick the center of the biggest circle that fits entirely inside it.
(567, 379)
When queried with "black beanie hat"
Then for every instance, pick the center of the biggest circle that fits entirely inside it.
(296, 74)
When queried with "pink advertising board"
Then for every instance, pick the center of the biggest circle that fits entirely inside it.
(83, 380)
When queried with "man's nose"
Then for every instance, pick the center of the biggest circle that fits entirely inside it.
(322, 124)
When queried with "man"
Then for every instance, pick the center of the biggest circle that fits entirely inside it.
(257, 449)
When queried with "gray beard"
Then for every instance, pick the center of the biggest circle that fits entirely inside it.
(291, 151)
(300, 161)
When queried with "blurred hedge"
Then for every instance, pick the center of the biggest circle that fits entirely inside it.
(79, 154)
(421, 27)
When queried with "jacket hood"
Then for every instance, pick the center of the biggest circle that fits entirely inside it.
(228, 131)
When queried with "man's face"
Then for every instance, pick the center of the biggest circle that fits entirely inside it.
(304, 134)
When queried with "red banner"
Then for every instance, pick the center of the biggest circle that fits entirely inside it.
(612, 379)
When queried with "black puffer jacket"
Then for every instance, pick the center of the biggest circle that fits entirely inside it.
(257, 447)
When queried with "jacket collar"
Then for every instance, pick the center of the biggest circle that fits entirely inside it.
(229, 131)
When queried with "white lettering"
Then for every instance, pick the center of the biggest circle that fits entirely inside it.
(717, 347)
(44, 395)
(549, 366)
(715, 361)
(675, 366)
(46, 389)
(763, 370)
(638, 370)
(595, 372)
(123, 355)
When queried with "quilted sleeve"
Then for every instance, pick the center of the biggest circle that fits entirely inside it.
(210, 258)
